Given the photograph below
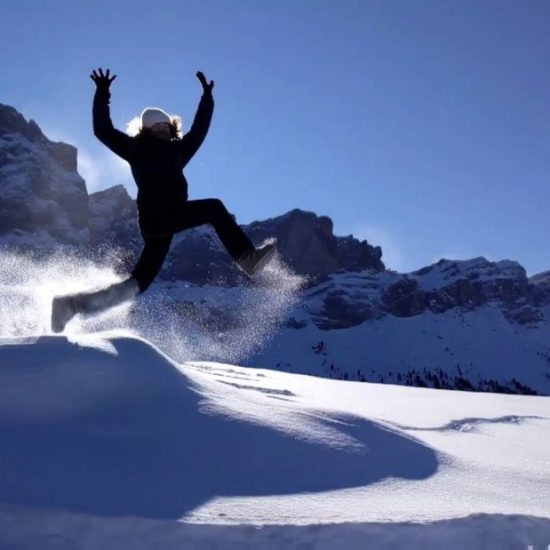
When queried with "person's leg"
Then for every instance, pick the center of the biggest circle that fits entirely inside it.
(100, 300)
(64, 308)
(213, 212)
(152, 257)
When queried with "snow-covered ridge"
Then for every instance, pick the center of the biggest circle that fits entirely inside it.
(541, 278)
(348, 299)
(446, 272)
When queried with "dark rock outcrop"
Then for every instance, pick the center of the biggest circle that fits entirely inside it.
(113, 218)
(355, 255)
(404, 298)
(308, 245)
(342, 309)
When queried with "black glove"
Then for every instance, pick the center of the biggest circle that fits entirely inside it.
(207, 88)
(102, 80)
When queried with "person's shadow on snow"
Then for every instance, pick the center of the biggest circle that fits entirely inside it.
(125, 434)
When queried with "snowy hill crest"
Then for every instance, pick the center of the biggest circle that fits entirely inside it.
(115, 408)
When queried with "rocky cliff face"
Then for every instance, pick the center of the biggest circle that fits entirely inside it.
(113, 218)
(307, 243)
(40, 189)
(351, 299)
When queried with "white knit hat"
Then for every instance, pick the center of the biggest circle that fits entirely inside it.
(153, 115)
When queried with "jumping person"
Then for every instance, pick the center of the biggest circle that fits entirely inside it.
(157, 156)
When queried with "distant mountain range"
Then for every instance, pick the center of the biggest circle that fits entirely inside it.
(472, 325)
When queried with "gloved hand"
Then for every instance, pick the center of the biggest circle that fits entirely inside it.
(207, 88)
(102, 80)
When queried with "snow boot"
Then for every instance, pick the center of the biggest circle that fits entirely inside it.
(253, 261)
(64, 308)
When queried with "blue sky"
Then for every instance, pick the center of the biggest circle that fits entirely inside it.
(422, 126)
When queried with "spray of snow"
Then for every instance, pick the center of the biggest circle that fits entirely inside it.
(186, 322)
(29, 282)
(225, 325)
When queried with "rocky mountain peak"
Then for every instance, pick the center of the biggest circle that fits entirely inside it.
(307, 242)
(13, 122)
(40, 186)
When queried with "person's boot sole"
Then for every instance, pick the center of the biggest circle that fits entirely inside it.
(62, 312)
(264, 260)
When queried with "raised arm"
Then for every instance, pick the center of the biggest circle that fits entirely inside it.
(117, 141)
(193, 139)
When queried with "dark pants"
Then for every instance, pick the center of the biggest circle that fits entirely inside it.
(192, 214)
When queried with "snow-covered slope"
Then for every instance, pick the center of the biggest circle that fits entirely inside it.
(474, 325)
(478, 342)
(108, 443)
(478, 326)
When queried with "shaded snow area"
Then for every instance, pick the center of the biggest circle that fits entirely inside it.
(108, 443)
(470, 347)
(477, 346)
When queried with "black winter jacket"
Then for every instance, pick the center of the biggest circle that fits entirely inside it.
(156, 165)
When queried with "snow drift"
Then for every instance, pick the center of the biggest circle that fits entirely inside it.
(107, 442)
(120, 430)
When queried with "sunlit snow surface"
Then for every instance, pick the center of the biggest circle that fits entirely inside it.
(100, 428)
(149, 437)
(472, 453)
